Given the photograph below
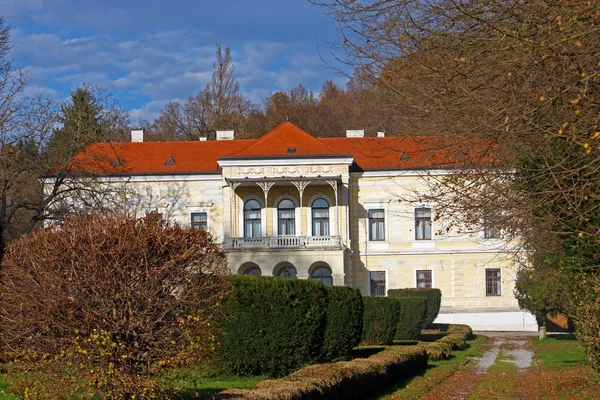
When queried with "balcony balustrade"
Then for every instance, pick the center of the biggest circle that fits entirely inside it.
(286, 242)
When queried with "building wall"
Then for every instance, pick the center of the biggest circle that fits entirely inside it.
(458, 261)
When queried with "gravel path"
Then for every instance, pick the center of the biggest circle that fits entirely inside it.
(515, 347)
(514, 344)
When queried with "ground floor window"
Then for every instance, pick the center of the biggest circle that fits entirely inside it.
(199, 220)
(492, 282)
(252, 271)
(424, 279)
(377, 279)
(323, 274)
(287, 271)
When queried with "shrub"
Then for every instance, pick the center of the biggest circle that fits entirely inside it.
(115, 299)
(344, 323)
(380, 320)
(433, 296)
(412, 315)
(272, 325)
(357, 379)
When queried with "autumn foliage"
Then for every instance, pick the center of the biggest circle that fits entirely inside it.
(103, 304)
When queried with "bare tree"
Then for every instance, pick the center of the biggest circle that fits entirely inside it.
(39, 138)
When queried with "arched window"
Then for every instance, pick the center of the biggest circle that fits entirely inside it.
(323, 274)
(252, 219)
(253, 270)
(320, 217)
(286, 217)
(287, 271)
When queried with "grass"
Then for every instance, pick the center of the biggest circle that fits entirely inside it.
(504, 364)
(559, 352)
(185, 384)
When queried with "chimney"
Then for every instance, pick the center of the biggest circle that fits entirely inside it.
(137, 135)
(380, 134)
(225, 135)
(355, 133)
(203, 138)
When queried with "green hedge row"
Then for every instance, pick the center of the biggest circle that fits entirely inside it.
(273, 326)
(412, 317)
(343, 326)
(357, 379)
(433, 297)
(380, 320)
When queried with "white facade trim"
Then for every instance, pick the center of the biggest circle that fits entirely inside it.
(285, 161)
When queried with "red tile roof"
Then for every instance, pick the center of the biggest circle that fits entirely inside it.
(286, 139)
(283, 141)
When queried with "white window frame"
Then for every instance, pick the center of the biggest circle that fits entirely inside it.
(424, 269)
(263, 215)
(332, 221)
(193, 210)
(386, 221)
(297, 214)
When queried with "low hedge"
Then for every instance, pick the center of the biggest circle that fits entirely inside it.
(380, 320)
(433, 296)
(438, 351)
(356, 379)
(343, 328)
(272, 326)
(412, 316)
(455, 339)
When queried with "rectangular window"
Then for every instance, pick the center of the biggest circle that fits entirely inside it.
(199, 220)
(492, 282)
(377, 279)
(490, 229)
(377, 225)
(424, 279)
(423, 223)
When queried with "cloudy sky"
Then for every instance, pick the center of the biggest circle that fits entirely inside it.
(148, 52)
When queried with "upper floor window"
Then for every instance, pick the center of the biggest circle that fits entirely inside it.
(424, 279)
(199, 220)
(252, 219)
(286, 217)
(423, 223)
(377, 224)
(320, 217)
(493, 282)
(490, 228)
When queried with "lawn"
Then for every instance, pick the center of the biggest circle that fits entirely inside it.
(559, 351)
(186, 384)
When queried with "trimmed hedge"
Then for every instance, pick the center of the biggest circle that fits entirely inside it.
(344, 317)
(412, 315)
(272, 325)
(380, 320)
(433, 296)
(357, 379)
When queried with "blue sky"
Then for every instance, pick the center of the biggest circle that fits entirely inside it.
(147, 53)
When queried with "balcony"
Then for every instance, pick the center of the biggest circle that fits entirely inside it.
(287, 242)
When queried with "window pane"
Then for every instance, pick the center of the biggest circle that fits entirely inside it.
(377, 283)
(320, 203)
(493, 282)
(379, 213)
(252, 205)
(252, 271)
(285, 203)
(423, 212)
(287, 272)
(424, 279)
(322, 274)
(325, 230)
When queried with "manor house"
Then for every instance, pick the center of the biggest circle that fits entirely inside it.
(344, 211)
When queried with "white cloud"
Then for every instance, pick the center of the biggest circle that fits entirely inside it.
(148, 111)
(34, 90)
